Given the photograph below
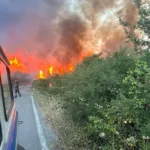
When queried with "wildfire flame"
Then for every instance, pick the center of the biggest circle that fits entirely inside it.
(15, 64)
(41, 75)
(71, 68)
(51, 70)
(43, 70)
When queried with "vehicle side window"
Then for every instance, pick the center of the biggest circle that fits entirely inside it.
(1, 134)
(5, 87)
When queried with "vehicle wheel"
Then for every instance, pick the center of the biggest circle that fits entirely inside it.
(19, 147)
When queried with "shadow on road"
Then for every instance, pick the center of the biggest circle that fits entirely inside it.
(19, 147)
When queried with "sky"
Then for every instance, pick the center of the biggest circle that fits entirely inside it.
(13, 14)
(21, 19)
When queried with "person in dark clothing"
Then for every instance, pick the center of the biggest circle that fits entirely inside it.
(16, 88)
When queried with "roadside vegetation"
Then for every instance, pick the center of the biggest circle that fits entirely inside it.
(104, 103)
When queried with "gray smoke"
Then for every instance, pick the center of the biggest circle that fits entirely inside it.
(72, 30)
(54, 31)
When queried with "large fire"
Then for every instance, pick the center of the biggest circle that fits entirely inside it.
(43, 71)
(63, 38)
(48, 71)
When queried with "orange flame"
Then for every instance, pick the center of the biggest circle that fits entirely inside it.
(41, 75)
(51, 70)
(71, 68)
(43, 70)
(16, 65)
(14, 61)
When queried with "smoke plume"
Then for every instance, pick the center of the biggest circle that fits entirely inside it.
(61, 32)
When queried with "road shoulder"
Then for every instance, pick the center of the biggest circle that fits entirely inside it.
(47, 136)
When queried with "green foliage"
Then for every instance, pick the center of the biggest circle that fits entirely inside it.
(110, 97)
(41, 85)
(96, 81)
(124, 121)
(146, 57)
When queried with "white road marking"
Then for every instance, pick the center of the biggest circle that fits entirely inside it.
(39, 127)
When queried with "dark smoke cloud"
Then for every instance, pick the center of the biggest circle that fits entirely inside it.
(45, 34)
(52, 31)
(72, 30)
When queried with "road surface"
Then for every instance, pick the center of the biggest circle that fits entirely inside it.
(27, 131)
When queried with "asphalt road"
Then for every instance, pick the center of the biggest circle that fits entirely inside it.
(27, 130)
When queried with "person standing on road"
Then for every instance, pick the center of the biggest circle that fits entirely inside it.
(16, 88)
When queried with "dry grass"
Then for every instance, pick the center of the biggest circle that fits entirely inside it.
(70, 136)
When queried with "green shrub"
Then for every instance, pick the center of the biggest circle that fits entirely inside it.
(109, 98)
(124, 121)
(94, 81)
